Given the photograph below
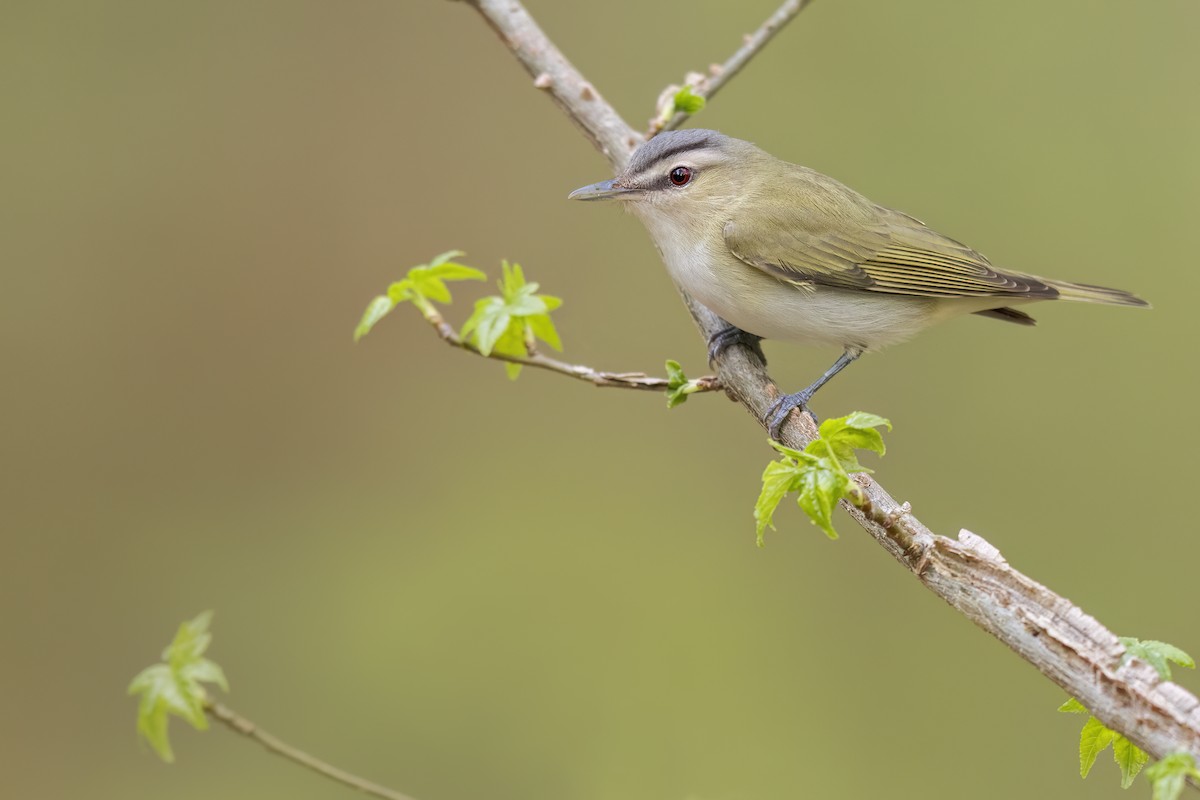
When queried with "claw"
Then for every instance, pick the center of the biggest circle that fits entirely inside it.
(777, 414)
(731, 335)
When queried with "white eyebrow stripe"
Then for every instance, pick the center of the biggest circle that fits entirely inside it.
(698, 157)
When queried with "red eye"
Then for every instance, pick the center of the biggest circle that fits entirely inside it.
(680, 175)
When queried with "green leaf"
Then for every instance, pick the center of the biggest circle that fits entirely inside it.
(1169, 775)
(862, 420)
(377, 309)
(205, 671)
(487, 324)
(1156, 654)
(679, 387)
(677, 383)
(509, 324)
(1169, 786)
(675, 375)
(541, 326)
(430, 281)
(400, 291)
(429, 286)
(779, 478)
(512, 343)
(524, 304)
(822, 470)
(491, 329)
(152, 726)
(476, 317)
(857, 431)
(1130, 758)
(191, 640)
(422, 283)
(822, 485)
(1092, 740)
(1073, 706)
(174, 687)
(442, 258)
(787, 451)
(686, 101)
(451, 271)
(1171, 653)
(1095, 737)
(512, 279)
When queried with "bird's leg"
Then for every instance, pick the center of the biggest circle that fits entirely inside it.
(730, 335)
(777, 414)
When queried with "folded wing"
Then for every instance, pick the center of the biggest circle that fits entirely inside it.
(835, 237)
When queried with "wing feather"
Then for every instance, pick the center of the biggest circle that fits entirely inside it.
(832, 236)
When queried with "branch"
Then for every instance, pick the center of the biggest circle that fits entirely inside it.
(551, 72)
(245, 727)
(618, 380)
(722, 75)
(1069, 647)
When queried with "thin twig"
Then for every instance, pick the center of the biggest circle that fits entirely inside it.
(1069, 647)
(753, 43)
(245, 727)
(617, 380)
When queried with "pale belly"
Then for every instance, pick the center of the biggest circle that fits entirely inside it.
(760, 304)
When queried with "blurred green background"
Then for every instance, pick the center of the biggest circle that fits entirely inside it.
(465, 587)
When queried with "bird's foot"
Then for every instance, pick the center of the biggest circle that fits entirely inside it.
(777, 414)
(730, 335)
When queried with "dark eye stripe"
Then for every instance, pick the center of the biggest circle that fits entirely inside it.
(670, 152)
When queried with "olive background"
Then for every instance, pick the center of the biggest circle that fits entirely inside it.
(465, 587)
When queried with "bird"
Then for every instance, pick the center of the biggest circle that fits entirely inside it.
(781, 251)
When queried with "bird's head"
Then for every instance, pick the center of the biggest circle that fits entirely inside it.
(680, 177)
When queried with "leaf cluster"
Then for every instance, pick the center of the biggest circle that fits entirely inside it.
(820, 473)
(678, 385)
(1156, 654)
(686, 101)
(421, 285)
(1169, 775)
(174, 686)
(1095, 737)
(510, 324)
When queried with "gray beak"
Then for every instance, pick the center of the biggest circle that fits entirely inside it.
(599, 191)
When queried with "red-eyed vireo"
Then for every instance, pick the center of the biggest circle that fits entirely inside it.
(782, 252)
